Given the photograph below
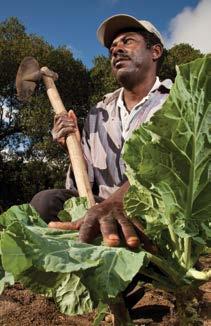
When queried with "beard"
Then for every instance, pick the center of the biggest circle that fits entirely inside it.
(128, 76)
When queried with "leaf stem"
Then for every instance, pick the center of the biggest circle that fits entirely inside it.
(161, 281)
(174, 239)
(187, 241)
(165, 267)
(199, 275)
(187, 252)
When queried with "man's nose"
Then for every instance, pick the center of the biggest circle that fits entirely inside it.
(119, 48)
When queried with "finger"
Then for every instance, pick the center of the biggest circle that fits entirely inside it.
(65, 124)
(61, 120)
(62, 141)
(64, 132)
(108, 228)
(60, 117)
(147, 243)
(89, 229)
(130, 235)
(72, 116)
(66, 225)
(57, 116)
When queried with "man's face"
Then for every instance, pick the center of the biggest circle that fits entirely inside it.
(130, 57)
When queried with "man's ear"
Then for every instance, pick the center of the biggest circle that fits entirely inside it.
(157, 51)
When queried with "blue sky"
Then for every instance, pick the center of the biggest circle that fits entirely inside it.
(74, 22)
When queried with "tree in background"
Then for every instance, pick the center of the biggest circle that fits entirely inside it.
(178, 54)
(20, 180)
(102, 80)
(30, 123)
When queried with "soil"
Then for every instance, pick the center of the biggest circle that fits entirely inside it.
(20, 307)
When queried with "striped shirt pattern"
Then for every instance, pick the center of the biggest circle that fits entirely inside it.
(103, 137)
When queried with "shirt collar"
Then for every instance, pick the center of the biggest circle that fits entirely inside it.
(120, 100)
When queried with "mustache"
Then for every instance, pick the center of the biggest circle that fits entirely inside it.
(120, 56)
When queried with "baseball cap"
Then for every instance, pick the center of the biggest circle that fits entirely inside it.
(114, 24)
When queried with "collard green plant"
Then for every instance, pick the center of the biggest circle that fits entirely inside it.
(52, 262)
(169, 168)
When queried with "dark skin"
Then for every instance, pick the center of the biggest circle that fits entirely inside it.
(134, 66)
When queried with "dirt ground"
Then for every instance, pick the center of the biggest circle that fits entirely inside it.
(20, 307)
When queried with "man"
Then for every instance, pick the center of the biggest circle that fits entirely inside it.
(136, 49)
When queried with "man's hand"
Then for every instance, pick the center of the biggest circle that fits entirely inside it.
(109, 219)
(112, 223)
(106, 218)
(64, 125)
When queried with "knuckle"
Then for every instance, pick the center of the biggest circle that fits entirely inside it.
(107, 219)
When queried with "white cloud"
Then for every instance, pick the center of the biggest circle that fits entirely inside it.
(192, 26)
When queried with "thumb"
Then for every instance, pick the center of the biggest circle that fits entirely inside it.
(72, 115)
(66, 225)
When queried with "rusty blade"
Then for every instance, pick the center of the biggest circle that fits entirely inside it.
(27, 76)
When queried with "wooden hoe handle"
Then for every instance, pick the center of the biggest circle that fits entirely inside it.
(73, 145)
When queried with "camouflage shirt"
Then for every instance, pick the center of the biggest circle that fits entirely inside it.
(103, 140)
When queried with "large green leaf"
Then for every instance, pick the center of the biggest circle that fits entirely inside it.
(115, 271)
(73, 297)
(5, 278)
(32, 253)
(24, 213)
(169, 165)
(74, 208)
(67, 290)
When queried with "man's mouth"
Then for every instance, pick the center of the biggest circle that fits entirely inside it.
(118, 63)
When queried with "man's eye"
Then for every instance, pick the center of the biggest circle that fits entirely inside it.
(128, 40)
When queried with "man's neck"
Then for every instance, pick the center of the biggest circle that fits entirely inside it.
(135, 95)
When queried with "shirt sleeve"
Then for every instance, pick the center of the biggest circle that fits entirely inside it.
(85, 141)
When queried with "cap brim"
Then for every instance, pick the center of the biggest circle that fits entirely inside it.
(110, 27)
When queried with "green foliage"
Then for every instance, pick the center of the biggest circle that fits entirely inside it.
(5, 278)
(24, 213)
(19, 180)
(32, 121)
(102, 80)
(102, 310)
(73, 83)
(178, 54)
(15, 44)
(54, 263)
(74, 209)
(169, 167)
